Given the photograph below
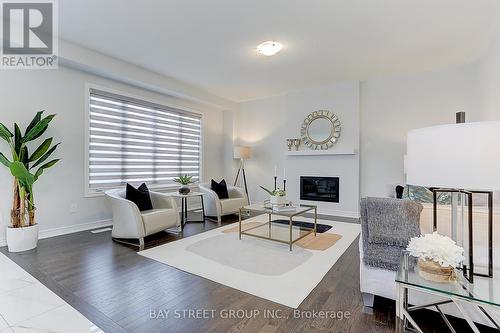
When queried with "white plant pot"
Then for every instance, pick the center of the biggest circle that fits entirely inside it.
(277, 200)
(22, 239)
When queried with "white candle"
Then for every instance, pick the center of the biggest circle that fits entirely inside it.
(284, 174)
(275, 170)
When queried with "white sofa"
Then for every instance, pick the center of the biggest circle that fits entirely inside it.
(381, 282)
(215, 207)
(130, 223)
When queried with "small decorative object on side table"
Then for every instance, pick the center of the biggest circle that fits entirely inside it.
(289, 143)
(184, 206)
(184, 181)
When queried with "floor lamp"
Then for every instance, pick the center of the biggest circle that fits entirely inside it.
(242, 153)
(462, 159)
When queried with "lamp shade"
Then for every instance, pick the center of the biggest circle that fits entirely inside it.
(461, 156)
(242, 152)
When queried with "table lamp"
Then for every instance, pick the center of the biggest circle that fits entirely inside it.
(463, 159)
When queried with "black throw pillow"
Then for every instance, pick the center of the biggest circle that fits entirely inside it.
(139, 196)
(220, 189)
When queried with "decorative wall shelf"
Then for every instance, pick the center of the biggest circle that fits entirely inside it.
(320, 152)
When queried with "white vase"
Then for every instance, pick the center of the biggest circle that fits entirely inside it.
(22, 239)
(277, 200)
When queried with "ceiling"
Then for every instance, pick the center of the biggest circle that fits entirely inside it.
(211, 44)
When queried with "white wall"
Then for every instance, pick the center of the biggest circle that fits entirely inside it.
(489, 75)
(265, 125)
(230, 124)
(62, 91)
(391, 106)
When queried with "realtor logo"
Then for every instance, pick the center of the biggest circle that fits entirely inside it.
(29, 35)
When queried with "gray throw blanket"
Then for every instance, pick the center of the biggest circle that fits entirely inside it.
(387, 225)
(390, 221)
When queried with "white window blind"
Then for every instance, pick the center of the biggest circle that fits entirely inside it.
(134, 141)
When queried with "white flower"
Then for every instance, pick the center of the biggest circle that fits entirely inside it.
(438, 248)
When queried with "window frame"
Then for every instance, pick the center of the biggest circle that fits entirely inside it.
(90, 193)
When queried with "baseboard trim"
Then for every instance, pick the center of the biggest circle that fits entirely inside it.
(68, 230)
(333, 212)
(74, 228)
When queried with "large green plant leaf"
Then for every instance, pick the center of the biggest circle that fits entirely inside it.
(38, 129)
(45, 166)
(42, 149)
(25, 157)
(34, 121)
(17, 139)
(4, 160)
(18, 170)
(5, 133)
(265, 189)
(45, 156)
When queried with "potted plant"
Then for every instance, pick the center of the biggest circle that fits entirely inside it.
(437, 256)
(26, 168)
(277, 196)
(184, 181)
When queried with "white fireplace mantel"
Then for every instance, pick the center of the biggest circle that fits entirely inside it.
(305, 152)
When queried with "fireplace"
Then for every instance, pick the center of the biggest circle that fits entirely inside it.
(319, 188)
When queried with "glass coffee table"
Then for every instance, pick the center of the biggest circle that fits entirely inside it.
(483, 293)
(278, 232)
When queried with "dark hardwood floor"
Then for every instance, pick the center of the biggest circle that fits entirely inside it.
(120, 291)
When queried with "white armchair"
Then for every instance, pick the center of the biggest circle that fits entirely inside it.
(129, 222)
(216, 207)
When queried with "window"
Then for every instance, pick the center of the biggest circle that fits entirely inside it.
(133, 141)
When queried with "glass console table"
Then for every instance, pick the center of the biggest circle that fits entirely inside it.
(484, 293)
(278, 232)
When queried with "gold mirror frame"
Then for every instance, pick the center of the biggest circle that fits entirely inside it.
(334, 132)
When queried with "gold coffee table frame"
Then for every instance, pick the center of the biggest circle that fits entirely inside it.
(260, 208)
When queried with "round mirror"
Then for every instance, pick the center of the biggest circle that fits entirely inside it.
(320, 130)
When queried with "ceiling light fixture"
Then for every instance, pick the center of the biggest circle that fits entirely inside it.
(269, 48)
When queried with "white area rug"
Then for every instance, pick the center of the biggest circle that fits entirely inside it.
(259, 267)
